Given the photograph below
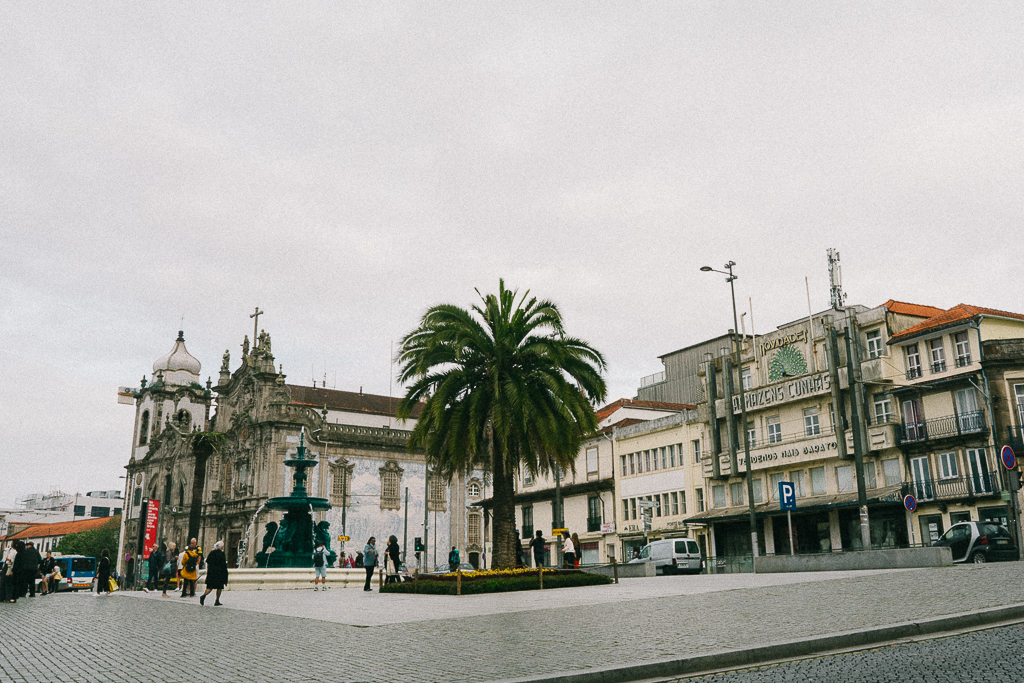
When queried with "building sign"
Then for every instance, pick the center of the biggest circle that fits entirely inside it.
(785, 391)
(781, 455)
(608, 528)
(780, 341)
(152, 515)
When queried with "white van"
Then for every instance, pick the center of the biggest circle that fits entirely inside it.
(672, 556)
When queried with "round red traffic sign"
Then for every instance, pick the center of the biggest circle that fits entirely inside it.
(1008, 458)
(910, 502)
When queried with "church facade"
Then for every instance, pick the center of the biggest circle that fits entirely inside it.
(212, 473)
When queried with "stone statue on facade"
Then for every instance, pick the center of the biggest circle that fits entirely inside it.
(245, 346)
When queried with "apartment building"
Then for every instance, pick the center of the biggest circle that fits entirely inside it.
(960, 399)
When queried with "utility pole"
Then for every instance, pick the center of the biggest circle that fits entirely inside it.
(426, 510)
(405, 532)
(857, 415)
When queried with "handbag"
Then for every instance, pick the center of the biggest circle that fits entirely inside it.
(168, 568)
(57, 575)
(112, 585)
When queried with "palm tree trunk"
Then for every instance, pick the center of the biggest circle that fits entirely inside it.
(504, 520)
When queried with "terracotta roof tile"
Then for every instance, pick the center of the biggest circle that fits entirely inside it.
(958, 314)
(912, 309)
(637, 403)
(349, 401)
(60, 528)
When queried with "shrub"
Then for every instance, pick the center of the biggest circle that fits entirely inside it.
(497, 582)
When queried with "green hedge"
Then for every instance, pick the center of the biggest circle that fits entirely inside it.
(445, 585)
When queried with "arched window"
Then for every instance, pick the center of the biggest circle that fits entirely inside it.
(144, 428)
(181, 495)
(184, 419)
(473, 489)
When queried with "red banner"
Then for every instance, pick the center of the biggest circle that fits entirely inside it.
(152, 515)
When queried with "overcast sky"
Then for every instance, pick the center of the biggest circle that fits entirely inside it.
(345, 166)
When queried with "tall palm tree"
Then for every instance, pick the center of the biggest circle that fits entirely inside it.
(502, 387)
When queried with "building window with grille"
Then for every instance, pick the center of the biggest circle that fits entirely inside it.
(632, 463)
(527, 521)
(718, 496)
(625, 508)
(938, 354)
(913, 361)
(947, 466)
(625, 468)
(473, 490)
(675, 503)
(341, 483)
(439, 492)
(874, 339)
(473, 528)
(390, 485)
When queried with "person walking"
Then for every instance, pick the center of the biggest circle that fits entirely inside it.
(520, 555)
(538, 546)
(216, 573)
(170, 568)
(156, 565)
(577, 549)
(453, 560)
(320, 566)
(568, 551)
(394, 560)
(190, 560)
(369, 560)
(7, 581)
(103, 574)
(129, 571)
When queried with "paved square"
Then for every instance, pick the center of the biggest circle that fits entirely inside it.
(349, 635)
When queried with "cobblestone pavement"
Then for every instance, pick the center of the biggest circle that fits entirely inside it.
(983, 656)
(354, 636)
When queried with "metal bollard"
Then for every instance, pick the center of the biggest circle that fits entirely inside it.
(458, 581)
(380, 578)
(540, 577)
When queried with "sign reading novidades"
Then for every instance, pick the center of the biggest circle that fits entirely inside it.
(785, 391)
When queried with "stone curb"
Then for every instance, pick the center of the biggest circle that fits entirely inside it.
(668, 668)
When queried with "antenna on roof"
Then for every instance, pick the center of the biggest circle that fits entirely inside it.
(835, 278)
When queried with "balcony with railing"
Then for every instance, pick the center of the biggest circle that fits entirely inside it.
(1016, 439)
(593, 524)
(913, 372)
(656, 378)
(938, 366)
(973, 486)
(943, 427)
(962, 361)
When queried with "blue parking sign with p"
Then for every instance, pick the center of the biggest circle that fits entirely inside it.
(787, 495)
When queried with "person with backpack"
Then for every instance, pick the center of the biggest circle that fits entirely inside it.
(393, 560)
(453, 559)
(190, 561)
(320, 566)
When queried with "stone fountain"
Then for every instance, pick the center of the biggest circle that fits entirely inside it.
(290, 543)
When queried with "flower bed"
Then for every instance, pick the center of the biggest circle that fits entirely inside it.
(497, 581)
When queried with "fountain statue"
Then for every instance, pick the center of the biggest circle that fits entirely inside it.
(290, 543)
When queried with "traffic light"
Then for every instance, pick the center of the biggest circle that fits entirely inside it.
(418, 544)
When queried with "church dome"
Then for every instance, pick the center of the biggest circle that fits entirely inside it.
(178, 360)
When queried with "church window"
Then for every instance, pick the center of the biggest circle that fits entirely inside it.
(184, 419)
(438, 494)
(341, 481)
(137, 499)
(473, 490)
(473, 529)
(226, 474)
(144, 428)
(181, 495)
(390, 485)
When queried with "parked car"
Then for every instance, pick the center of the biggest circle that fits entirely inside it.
(672, 556)
(979, 542)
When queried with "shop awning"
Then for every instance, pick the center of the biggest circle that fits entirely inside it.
(889, 495)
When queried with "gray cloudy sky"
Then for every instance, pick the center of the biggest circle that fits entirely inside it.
(344, 166)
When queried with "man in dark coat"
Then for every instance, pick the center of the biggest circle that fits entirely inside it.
(156, 563)
(29, 569)
(216, 573)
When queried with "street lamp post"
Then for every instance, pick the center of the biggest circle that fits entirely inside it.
(743, 404)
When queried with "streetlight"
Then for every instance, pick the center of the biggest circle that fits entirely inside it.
(743, 404)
